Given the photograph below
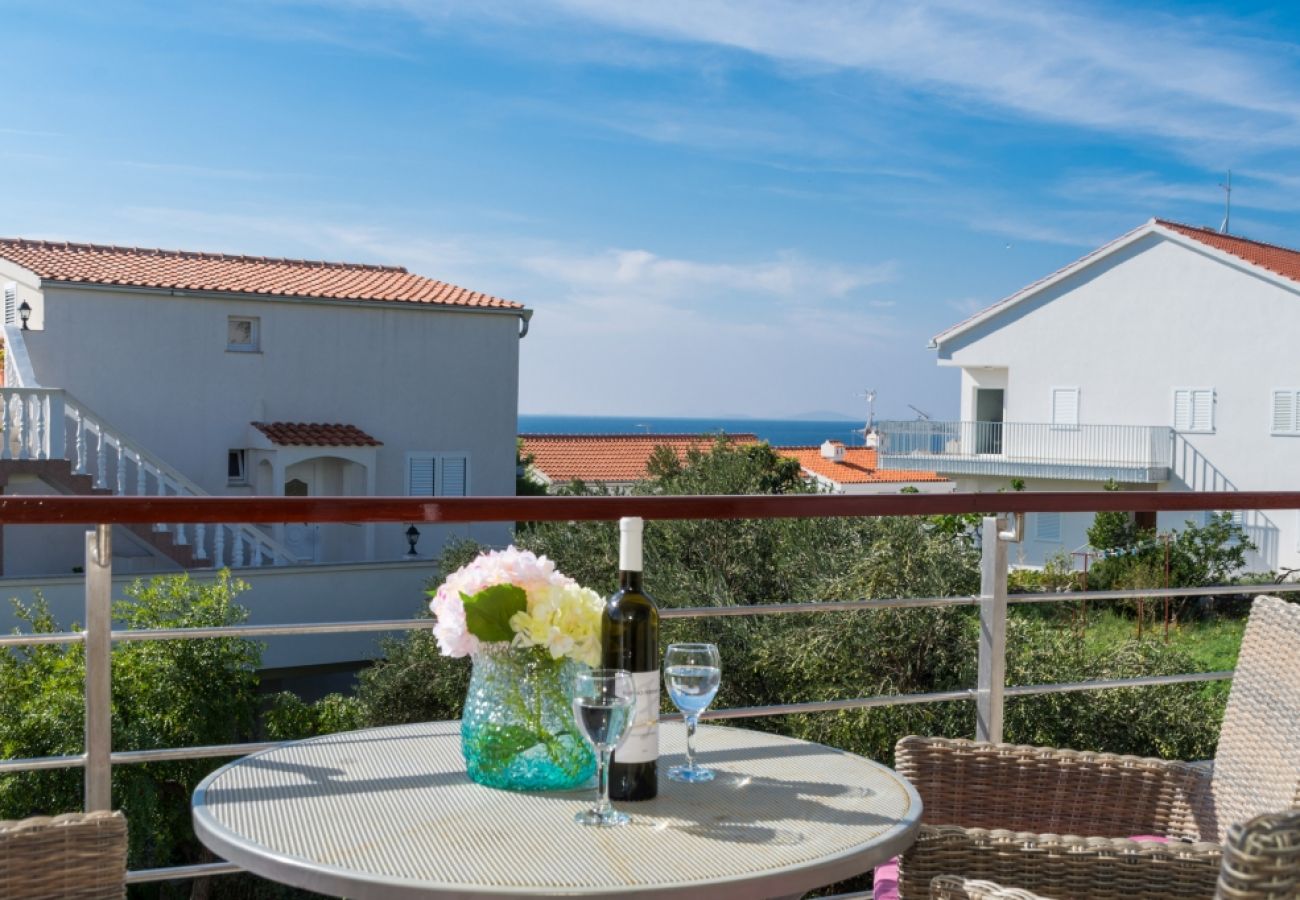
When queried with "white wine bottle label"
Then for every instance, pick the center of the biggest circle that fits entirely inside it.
(642, 741)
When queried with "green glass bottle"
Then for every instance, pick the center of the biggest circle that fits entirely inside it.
(630, 640)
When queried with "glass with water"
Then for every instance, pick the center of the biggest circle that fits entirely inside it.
(692, 673)
(602, 707)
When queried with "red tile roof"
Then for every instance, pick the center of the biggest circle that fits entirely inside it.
(859, 466)
(185, 270)
(313, 434)
(1279, 260)
(609, 457)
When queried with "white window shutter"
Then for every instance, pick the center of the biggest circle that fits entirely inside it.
(1182, 410)
(454, 470)
(1284, 411)
(1065, 406)
(420, 476)
(11, 304)
(1203, 410)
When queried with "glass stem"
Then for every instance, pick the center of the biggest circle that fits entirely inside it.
(603, 806)
(691, 722)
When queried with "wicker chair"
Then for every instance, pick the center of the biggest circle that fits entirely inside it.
(1060, 821)
(1261, 861)
(78, 856)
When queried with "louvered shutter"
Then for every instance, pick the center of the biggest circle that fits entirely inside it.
(420, 475)
(1065, 406)
(1284, 411)
(454, 472)
(11, 304)
(1048, 526)
(1202, 410)
(1182, 410)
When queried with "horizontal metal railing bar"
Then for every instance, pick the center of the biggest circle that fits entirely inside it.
(812, 606)
(90, 510)
(170, 873)
(1029, 690)
(220, 631)
(815, 706)
(1148, 593)
(51, 637)
(41, 763)
(204, 752)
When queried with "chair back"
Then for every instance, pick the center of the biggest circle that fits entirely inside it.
(77, 856)
(1257, 764)
(1261, 859)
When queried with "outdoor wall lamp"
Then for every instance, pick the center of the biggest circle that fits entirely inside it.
(24, 313)
(412, 536)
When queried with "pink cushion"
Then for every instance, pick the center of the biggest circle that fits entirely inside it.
(885, 883)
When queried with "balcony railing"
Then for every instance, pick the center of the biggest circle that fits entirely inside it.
(1128, 453)
(988, 693)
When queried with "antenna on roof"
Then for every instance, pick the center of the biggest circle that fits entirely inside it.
(920, 414)
(1227, 203)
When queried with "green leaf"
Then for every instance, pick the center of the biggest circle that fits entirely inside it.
(487, 613)
(498, 746)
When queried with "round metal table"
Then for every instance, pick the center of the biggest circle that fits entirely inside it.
(390, 813)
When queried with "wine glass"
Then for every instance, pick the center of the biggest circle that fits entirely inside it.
(692, 673)
(602, 706)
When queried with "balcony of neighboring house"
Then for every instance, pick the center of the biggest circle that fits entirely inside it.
(1134, 454)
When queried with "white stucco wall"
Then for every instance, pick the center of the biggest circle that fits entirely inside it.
(1132, 327)
(416, 378)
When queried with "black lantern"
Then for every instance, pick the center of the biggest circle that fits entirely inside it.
(412, 537)
(24, 313)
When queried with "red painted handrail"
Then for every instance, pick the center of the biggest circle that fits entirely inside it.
(47, 510)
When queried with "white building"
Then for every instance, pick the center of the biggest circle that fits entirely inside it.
(166, 372)
(1164, 360)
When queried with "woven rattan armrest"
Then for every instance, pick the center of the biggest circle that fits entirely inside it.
(1045, 790)
(76, 856)
(950, 887)
(1062, 865)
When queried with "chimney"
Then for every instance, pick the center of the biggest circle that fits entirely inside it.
(833, 450)
(873, 439)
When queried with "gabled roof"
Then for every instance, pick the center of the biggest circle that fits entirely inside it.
(859, 466)
(616, 458)
(1278, 264)
(314, 434)
(185, 270)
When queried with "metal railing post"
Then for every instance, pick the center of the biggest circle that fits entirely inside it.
(99, 668)
(990, 689)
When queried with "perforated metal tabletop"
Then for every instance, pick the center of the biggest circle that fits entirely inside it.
(390, 813)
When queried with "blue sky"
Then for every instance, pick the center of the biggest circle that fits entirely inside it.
(715, 207)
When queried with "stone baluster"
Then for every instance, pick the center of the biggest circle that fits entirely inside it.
(141, 477)
(101, 458)
(162, 492)
(237, 551)
(200, 537)
(5, 452)
(121, 470)
(80, 418)
(39, 425)
(219, 546)
(20, 427)
(258, 556)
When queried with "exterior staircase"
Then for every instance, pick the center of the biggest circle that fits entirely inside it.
(48, 433)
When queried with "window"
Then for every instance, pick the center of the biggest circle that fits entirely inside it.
(437, 474)
(1065, 407)
(243, 334)
(1194, 409)
(1047, 527)
(1286, 411)
(235, 467)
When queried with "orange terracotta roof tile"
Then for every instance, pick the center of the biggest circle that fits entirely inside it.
(609, 457)
(184, 270)
(1279, 260)
(314, 434)
(859, 466)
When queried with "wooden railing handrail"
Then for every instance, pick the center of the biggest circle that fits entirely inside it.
(50, 510)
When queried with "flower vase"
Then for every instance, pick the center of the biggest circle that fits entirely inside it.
(517, 730)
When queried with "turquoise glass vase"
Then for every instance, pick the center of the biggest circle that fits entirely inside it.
(517, 730)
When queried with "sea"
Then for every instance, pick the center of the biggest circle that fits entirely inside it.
(777, 432)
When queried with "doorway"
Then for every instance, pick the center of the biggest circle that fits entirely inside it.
(988, 420)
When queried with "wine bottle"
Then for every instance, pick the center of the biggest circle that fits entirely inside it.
(629, 633)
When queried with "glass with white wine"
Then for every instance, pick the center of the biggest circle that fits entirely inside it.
(602, 706)
(692, 673)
